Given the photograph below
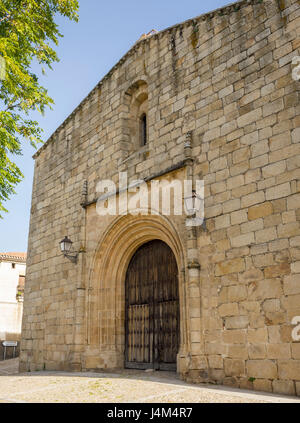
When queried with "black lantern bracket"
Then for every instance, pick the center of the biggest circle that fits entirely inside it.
(66, 249)
(193, 205)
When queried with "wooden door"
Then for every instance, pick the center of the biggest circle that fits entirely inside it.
(152, 308)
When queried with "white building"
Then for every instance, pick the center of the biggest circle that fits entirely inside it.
(12, 280)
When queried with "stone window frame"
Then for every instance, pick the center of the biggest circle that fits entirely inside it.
(136, 104)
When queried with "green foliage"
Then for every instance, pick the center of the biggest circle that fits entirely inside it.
(27, 33)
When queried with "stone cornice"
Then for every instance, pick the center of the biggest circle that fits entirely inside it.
(170, 169)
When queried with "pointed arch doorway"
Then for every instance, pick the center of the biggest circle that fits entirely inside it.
(152, 327)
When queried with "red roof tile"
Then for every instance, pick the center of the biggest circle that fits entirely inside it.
(13, 256)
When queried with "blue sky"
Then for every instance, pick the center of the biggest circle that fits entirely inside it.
(89, 49)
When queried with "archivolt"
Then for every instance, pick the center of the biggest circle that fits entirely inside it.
(107, 278)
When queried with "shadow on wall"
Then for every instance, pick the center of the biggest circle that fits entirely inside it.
(9, 350)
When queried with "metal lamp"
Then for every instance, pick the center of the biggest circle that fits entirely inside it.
(193, 204)
(65, 247)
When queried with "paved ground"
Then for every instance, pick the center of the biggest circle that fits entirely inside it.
(126, 386)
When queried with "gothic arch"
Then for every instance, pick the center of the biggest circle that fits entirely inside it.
(106, 291)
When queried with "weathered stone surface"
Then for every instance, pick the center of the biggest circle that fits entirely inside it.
(232, 98)
(262, 369)
(289, 369)
(285, 387)
(279, 270)
(296, 350)
(268, 288)
(259, 335)
(251, 275)
(261, 210)
(230, 309)
(230, 266)
(276, 351)
(242, 240)
(238, 351)
(234, 367)
(262, 385)
(234, 336)
(257, 351)
(216, 362)
(237, 322)
(291, 285)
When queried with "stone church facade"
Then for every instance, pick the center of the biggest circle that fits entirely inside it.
(215, 98)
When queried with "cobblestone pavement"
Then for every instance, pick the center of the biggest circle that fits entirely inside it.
(122, 387)
(9, 367)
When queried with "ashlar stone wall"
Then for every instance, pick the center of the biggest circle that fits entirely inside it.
(224, 81)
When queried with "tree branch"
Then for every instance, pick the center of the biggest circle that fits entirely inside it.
(12, 106)
(5, 17)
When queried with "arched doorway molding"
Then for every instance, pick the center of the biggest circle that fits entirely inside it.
(106, 290)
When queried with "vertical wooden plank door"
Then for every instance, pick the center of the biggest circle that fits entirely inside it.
(152, 308)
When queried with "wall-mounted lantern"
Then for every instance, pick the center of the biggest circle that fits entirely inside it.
(194, 206)
(65, 246)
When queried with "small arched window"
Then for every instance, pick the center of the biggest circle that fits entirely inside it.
(135, 122)
(143, 129)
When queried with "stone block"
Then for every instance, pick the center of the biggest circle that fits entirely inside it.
(229, 309)
(230, 266)
(262, 210)
(256, 336)
(238, 351)
(276, 351)
(234, 367)
(237, 322)
(257, 351)
(261, 369)
(236, 293)
(278, 270)
(289, 369)
(295, 350)
(250, 117)
(266, 235)
(215, 362)
(283, 190)
(267, 288)
(264, 385)
(251, 275)
(250, 138)
(293, 202)
(289, 230)
(242, 240)
(291, 285)
(222, 221)
(283, 387)
(273, 107)
(252, 199)
(238, 217)
(234, 336)
(274, 169)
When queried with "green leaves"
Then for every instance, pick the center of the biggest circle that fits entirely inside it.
(27, 32)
